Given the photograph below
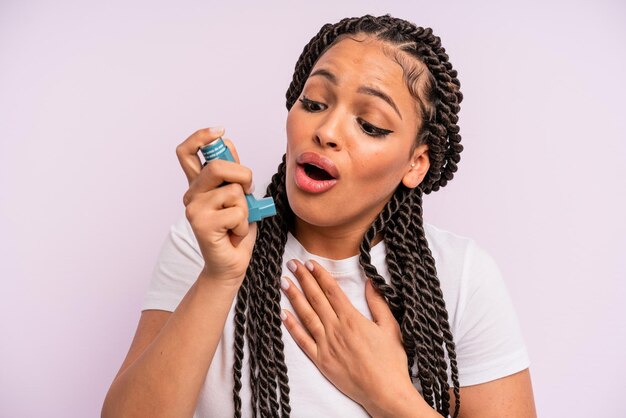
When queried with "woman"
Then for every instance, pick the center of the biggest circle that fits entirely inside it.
(386, 315)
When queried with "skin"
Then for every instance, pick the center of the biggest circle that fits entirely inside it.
(169, 357)
(335, 123)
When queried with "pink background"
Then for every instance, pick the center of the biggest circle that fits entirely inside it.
(95, 97)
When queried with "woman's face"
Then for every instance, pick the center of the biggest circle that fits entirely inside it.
(350, 137)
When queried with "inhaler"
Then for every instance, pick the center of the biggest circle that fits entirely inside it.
(257, 209)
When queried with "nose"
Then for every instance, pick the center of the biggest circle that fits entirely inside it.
(329, 133)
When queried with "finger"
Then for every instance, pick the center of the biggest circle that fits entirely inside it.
(381, 314)
(222, 197)
(206, 208)
(229, 223)
(232, 149)
(233, 219)
(187, 151)
(314, 294)
(299, 334)
(333, 292)
(215, 174)
(309, 318)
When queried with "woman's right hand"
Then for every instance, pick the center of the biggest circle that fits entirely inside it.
(218, 214)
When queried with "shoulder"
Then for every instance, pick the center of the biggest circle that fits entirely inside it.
(445, 244)
(182, 228)
(181, 240)
(177, 267)
(456, 256)
(464, 269)
(488, 339)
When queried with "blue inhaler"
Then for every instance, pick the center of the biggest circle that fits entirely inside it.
(257, 209)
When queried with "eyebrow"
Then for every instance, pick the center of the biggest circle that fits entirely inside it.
(371, 91)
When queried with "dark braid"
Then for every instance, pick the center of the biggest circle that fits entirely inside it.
(434, 287)
(414, 292)
(420, 349)
(257, 312)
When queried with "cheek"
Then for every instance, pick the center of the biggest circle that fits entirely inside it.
(295, 120)
(289, 123)
(381, 170)
(295, 128)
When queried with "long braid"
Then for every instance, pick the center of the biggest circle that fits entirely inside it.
(439, 329)
(413, 320)
(251, 334)
(272, 235)
(267, 363)
(390, 293)
(417, 327)
(414, 292)
(240, 328)
(274, 270)
(435, 290)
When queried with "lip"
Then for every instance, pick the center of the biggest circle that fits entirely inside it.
(320, 161)
(306, 183)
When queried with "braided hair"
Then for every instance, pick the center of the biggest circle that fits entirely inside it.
(414, 293)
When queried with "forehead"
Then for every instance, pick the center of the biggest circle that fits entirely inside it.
(364, 60)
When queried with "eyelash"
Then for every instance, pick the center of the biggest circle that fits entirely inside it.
(368, 128)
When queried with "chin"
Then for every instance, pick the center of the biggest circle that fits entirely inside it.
(312, 213)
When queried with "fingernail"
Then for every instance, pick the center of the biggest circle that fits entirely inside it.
(216, 130)
(283, 315)
(284, 283)
(309, 265)
(251, 188)
(291, 265)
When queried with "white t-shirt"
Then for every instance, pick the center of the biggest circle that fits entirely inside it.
(489, 344)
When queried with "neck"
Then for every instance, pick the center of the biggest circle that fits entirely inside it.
(336, 243)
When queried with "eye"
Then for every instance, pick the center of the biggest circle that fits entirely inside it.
(311, 105)
(372, 130)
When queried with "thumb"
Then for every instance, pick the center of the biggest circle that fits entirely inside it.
(381, 314)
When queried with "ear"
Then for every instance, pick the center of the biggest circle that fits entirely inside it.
(417, 167)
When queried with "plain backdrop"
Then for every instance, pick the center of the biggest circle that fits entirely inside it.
(95, 96)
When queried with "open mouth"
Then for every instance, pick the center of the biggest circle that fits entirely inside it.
(316, 173)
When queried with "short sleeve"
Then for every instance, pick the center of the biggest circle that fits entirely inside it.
(489, 342)
(176, 270)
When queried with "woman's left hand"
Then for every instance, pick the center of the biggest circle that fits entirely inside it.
(363, 358)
